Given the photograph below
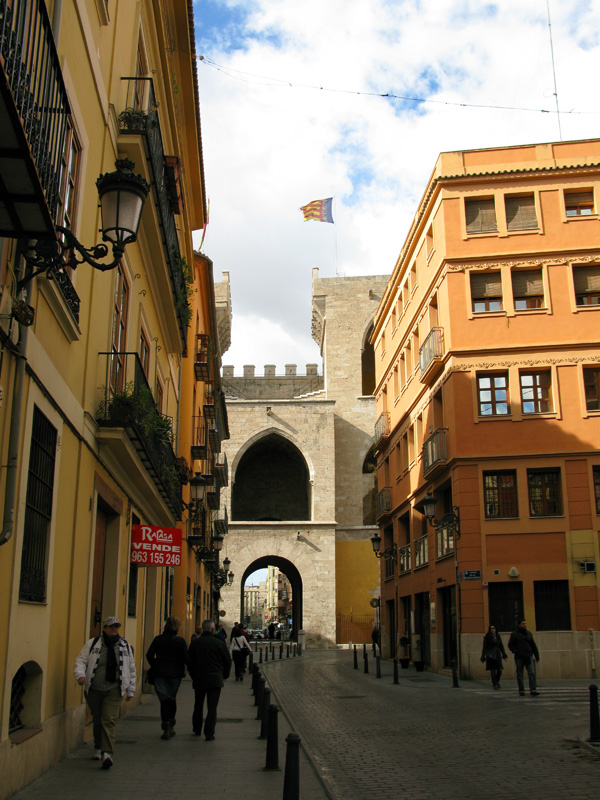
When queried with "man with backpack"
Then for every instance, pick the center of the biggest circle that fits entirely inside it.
(105, 667)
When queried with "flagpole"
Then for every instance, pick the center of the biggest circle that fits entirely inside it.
(335, 250)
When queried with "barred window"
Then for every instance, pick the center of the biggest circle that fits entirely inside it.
(552, 605)
(597, 488)
(38, 509)
(545, 496)
(500, 494)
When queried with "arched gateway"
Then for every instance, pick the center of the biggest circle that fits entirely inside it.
(295, 579)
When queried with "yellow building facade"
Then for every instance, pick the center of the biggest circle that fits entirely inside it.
(92, 362)
(488, 386)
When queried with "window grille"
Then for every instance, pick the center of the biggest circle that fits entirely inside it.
(500, 494)
(544, 493)
(552, 606)
(16, 700)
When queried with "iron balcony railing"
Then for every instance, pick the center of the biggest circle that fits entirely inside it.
(139, 115)
(221, 523)
(404, 558)
(214, 437)
(421, 552)
(32, 69)
(382, 426)
(201, 357)
(383, 501)
(127, 402)
(431, 349)
(221, 469)
(389, 568)
(199, 450)
(434, 450)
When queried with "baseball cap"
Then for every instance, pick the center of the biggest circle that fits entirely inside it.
(111, 621)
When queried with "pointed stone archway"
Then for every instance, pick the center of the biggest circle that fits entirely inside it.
(291, 572)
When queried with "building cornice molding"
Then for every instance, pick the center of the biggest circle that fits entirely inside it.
(532, 261)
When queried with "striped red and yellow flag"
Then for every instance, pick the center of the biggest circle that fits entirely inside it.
(319, 210)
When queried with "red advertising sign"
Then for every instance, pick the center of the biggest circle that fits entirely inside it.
(152, 546)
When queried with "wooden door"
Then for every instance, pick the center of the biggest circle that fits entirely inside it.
(98, 573)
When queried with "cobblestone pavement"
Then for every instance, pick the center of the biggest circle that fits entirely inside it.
(422, 738)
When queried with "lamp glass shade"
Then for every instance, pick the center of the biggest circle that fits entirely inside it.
(197, 488)
(122, 195)
(376, 542)
(217, 542)
(226, 564)
(429, 504)
(230, 578)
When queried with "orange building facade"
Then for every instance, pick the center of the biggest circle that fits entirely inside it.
(487, 360)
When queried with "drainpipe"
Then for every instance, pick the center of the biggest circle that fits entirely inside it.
(10, 491)
(56, 18)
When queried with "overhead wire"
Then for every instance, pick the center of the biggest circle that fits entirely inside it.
(248, 77)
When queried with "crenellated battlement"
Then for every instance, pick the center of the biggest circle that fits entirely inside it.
(271, 386)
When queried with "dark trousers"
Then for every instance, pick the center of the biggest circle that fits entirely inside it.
(166, 689)
(239, 662)
(212, 701)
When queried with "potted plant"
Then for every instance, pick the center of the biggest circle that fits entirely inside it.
(132, 119)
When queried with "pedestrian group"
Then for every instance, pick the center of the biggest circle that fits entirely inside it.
(522, 645)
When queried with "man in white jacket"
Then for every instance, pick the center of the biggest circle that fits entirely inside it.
(106, 668)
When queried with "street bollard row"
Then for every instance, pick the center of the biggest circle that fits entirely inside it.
(377, 663)
(269, 730)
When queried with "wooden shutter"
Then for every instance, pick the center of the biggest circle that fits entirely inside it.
(520, 213)
(480, 216)
(579, 198)
(586, 279)
(486, 284)
(527, 283)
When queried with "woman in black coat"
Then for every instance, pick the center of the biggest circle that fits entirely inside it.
(493, 653)
(168, 657)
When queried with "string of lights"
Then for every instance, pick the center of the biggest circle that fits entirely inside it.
(263, 80)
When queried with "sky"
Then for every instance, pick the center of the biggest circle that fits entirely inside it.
(355, 99)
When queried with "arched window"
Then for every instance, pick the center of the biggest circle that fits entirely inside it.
(368, 364)
(271, 483)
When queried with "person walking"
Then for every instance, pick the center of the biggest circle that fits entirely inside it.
(524, 648)
(105, 667)
(210, 665)
(239, 650)
(168, 657)
(493, 653)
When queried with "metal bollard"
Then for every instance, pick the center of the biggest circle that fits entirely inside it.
(272, 762)
(260, 656)
(264, 722)
(250, 661)
(454, 674)
(594, 716)
(281, 651)
(291, 778)
(395, 670)
(258, 700)
(366, 660)
(364, 650)
(255, 677)
(287, 650)
(299, 648)
(378, 667)
(355, 658)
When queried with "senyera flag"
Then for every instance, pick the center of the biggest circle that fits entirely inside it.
(319, 210)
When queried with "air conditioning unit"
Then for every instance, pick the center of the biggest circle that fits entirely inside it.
(588, 566)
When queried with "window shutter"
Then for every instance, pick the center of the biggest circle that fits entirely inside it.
(480, 216)
(527, 283)
(579, 198)
(586, 279)
(520, 213)
(487, 284)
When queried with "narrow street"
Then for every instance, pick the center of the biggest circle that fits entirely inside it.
(422, 739)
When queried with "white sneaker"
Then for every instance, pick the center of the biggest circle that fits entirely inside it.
(97, 755)
(107, 761)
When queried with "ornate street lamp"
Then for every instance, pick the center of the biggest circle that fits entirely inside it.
(450, 520)
(391, 553)
(122, 195)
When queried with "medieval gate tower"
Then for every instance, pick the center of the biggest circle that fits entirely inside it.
(302, 486)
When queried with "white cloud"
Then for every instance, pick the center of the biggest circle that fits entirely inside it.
(270, 147)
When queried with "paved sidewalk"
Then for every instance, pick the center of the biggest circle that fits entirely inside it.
(185, 766)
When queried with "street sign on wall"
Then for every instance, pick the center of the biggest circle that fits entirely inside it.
(153, 546)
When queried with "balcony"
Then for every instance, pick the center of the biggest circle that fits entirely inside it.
(213, 496)
(221, 470)
(404, 559)
(221, 524)
(33, 120)
(208, 407)
(139, 116)
(430, 355)
(201, 364)
(383, 502)
(199, 450)
(421, 552)
(434, 450)
(382, 427)
(214, 439)
(127, 404)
